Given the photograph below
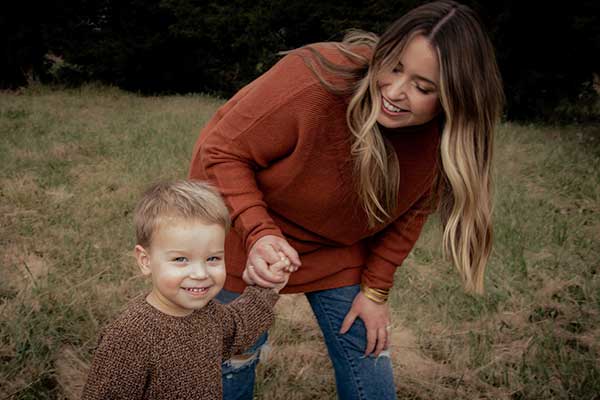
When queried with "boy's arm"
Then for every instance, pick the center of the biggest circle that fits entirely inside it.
(119, 368)
(246, 318)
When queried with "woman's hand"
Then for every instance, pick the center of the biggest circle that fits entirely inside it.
(265, 252)
(376, 317)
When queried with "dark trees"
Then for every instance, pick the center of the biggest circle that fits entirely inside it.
(547, 51)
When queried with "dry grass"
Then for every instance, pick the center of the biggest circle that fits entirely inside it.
(75, 161)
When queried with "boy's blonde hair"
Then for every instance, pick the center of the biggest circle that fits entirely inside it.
(183, 199)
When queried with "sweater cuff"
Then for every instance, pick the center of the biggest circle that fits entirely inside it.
(255, 222)
(268, 296)
(251, 239)
(379, 273)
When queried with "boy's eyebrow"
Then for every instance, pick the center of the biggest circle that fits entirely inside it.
(219, 251)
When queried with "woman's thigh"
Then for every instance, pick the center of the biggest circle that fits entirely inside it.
(357, 376)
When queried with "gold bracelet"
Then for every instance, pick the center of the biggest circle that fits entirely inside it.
(377, 295)
(374, 297)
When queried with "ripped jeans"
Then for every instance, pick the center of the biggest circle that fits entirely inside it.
(357, 377)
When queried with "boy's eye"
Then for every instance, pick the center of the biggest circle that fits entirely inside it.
(213, 259)
(180, 259)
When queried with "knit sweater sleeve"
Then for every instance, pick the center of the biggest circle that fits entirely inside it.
(246, 318)
(391, 246)
(119, 367)
(262, 125)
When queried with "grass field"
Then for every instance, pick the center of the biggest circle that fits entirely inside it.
(75, 161)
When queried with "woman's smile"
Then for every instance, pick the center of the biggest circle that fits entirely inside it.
(389, 108)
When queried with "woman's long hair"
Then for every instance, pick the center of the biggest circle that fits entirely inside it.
(471, 97)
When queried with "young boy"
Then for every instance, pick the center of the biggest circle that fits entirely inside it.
(169, 344)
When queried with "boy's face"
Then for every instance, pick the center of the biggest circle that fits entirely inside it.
(186, 262)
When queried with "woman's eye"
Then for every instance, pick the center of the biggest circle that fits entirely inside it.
(422, 89)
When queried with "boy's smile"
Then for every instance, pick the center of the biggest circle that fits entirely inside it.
(186, 262)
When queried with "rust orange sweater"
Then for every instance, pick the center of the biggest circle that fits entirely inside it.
(279, 151)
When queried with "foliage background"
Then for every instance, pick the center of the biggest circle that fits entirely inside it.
(547, 51)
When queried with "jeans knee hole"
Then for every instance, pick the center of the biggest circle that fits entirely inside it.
(237, 362)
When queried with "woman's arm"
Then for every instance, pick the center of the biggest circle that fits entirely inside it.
(252, 131)
(388, 250)
(257, 129)
(390, 247)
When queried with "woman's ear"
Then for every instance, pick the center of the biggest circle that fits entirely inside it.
(143, 259)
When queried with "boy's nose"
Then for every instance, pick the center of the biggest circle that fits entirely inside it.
(198, 271)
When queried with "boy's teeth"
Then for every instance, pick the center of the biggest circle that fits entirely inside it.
(196, 290)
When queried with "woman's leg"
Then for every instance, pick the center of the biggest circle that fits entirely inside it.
(357, 377)
(238, 372)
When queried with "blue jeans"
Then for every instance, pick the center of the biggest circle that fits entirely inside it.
(357, 377)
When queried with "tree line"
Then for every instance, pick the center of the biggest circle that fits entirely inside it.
(547, 51)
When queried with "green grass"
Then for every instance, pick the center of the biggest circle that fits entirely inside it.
(75, 161)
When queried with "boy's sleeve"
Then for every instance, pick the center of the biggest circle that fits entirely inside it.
(246, 318)
(119, 368)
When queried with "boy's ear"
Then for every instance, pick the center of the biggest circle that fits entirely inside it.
(143, 259)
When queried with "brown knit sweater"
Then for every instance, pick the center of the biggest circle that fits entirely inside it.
(146, 354)
(279, 151)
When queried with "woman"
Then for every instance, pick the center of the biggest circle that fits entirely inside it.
(336, 156)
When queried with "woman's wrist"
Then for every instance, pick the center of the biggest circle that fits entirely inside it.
(379, 296)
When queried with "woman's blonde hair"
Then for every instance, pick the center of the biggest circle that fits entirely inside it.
(471, 97)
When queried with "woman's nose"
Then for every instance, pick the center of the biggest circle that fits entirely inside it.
(397, 89)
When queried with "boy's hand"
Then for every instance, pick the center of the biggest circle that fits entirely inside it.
(282, 268)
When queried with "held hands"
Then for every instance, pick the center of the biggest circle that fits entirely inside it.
(376, 317)
(270, 260)
(283, 268)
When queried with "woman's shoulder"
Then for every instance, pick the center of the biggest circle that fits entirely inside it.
(328, 59)
(302, 65)
(291, 89)
(336, 53)
(290, 84)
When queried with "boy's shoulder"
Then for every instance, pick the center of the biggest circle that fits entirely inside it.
(141, 321)
(135, 321)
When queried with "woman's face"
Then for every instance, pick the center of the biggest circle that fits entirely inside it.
(410, 91)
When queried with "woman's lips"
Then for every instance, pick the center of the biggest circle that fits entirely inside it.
(390, 108)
